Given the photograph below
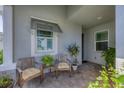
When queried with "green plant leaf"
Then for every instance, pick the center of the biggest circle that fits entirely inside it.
(47, 60)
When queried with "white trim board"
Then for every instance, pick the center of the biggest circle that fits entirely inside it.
(33, 43)
(5, 67)
(101, 41)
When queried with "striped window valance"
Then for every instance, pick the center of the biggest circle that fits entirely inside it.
(44, 25)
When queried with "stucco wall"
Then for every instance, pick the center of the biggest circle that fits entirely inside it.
(120, 38)
(57, 14)
(89, 46)
(120, 31)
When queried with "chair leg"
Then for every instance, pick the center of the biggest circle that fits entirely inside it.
(56, 74)
(21, 83)
(70, 74)
(41, 78)
(20, 80)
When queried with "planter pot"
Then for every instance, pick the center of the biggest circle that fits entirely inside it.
(74, 67)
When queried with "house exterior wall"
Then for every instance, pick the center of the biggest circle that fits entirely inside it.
(89, 43)
(120, 31)
(56, 14)
(120, 38)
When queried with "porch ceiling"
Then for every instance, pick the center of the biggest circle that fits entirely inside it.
(91, 15)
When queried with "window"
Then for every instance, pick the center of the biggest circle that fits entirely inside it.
(44, 40)
(101, 40)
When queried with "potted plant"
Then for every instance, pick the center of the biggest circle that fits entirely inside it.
(75, 64)
(109, 56)
(47, 60)
(6, 82)
(73, 50)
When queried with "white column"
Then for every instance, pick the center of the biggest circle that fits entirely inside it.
(120, 38)
(8, 38)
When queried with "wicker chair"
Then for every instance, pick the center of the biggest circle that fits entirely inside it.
(27, 70)
(62, 64)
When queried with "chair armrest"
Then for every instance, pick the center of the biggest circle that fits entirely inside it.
(37, 64)
(41, 68)
(69, 62)
(19, 70)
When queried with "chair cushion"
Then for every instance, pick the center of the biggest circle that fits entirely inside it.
(30, 73)
(63, 66)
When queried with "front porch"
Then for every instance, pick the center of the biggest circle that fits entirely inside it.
(93, 34)
(87, 73)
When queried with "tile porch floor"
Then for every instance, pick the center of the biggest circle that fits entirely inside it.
(88, 72)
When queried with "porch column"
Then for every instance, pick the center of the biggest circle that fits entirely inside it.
(8, 38)
(120, 38)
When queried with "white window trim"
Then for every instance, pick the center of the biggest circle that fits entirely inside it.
(101, 40)
(34, 51)
(33, 41)
(53, 40)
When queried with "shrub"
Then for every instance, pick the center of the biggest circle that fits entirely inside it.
(5, 81)
(47, 60)
(107, 79)
(121, 80)
(1, 56)
(109, 56)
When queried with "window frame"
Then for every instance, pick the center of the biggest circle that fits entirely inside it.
(36, 48)
(95, 41)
